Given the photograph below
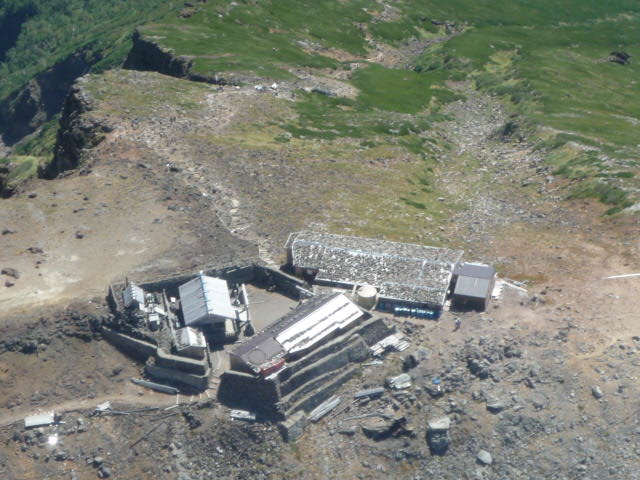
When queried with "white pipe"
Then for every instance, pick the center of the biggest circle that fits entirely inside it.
(622, 276)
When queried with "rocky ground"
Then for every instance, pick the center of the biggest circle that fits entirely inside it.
(542, 386)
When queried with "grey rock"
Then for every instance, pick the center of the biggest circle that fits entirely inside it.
(596, 391)
(496, 406)
(10, 272)
(104, 472)
(378, 428)
(484, 457)
(60, 456)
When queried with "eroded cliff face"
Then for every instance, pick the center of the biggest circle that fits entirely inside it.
(26, 110)
(147, 55)
(78, 132)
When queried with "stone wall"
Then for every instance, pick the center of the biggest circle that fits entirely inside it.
(244, 391)
(376, 330)
(185, 364)
(285, 283)
(178, 377)
(355, 351)
(136, 348)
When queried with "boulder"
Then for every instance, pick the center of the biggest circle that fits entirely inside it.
(596, 391)
(496, 406)
(379, 428)
(484, 457)
(10, 272)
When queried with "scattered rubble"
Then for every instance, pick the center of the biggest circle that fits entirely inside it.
(401, 382)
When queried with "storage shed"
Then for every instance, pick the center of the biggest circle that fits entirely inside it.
(191, 343)
(206, 301)
(473, 285)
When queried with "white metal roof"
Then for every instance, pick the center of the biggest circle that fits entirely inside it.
(40, 420)
(133, 293)
(189, 337)
(205, 297)
(335, 314)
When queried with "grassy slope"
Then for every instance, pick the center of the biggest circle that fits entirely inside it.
(553, 65)
(57, 28)
(548, 57)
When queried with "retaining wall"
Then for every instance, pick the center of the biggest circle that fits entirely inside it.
(177, 377)
(285, 283)
(137, 348)
(320, 395)
(355, 351)
(244, 391)
(375, 331)
(185, 364)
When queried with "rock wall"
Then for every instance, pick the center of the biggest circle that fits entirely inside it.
(356, 351)
(244, 391)
(147, 55)
(136, 348)
(184, 364)
(178, 377)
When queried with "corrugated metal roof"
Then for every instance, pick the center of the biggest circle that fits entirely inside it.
(203, 298)
(476, 270)
(473, 287)
(133, 293)
(300, 329)
(40, 420)
(189, 337)
(334, 315)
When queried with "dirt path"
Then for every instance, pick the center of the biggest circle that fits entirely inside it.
(515, 216)
(148, 399)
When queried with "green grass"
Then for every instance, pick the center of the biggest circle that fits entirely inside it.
(607, 194)
(20, 169)
(265, 38)
(547, 58)
(554, 69)
(42, 143)
(398, 90)
(57, 28)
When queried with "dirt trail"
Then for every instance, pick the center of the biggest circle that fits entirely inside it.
(516, 217)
